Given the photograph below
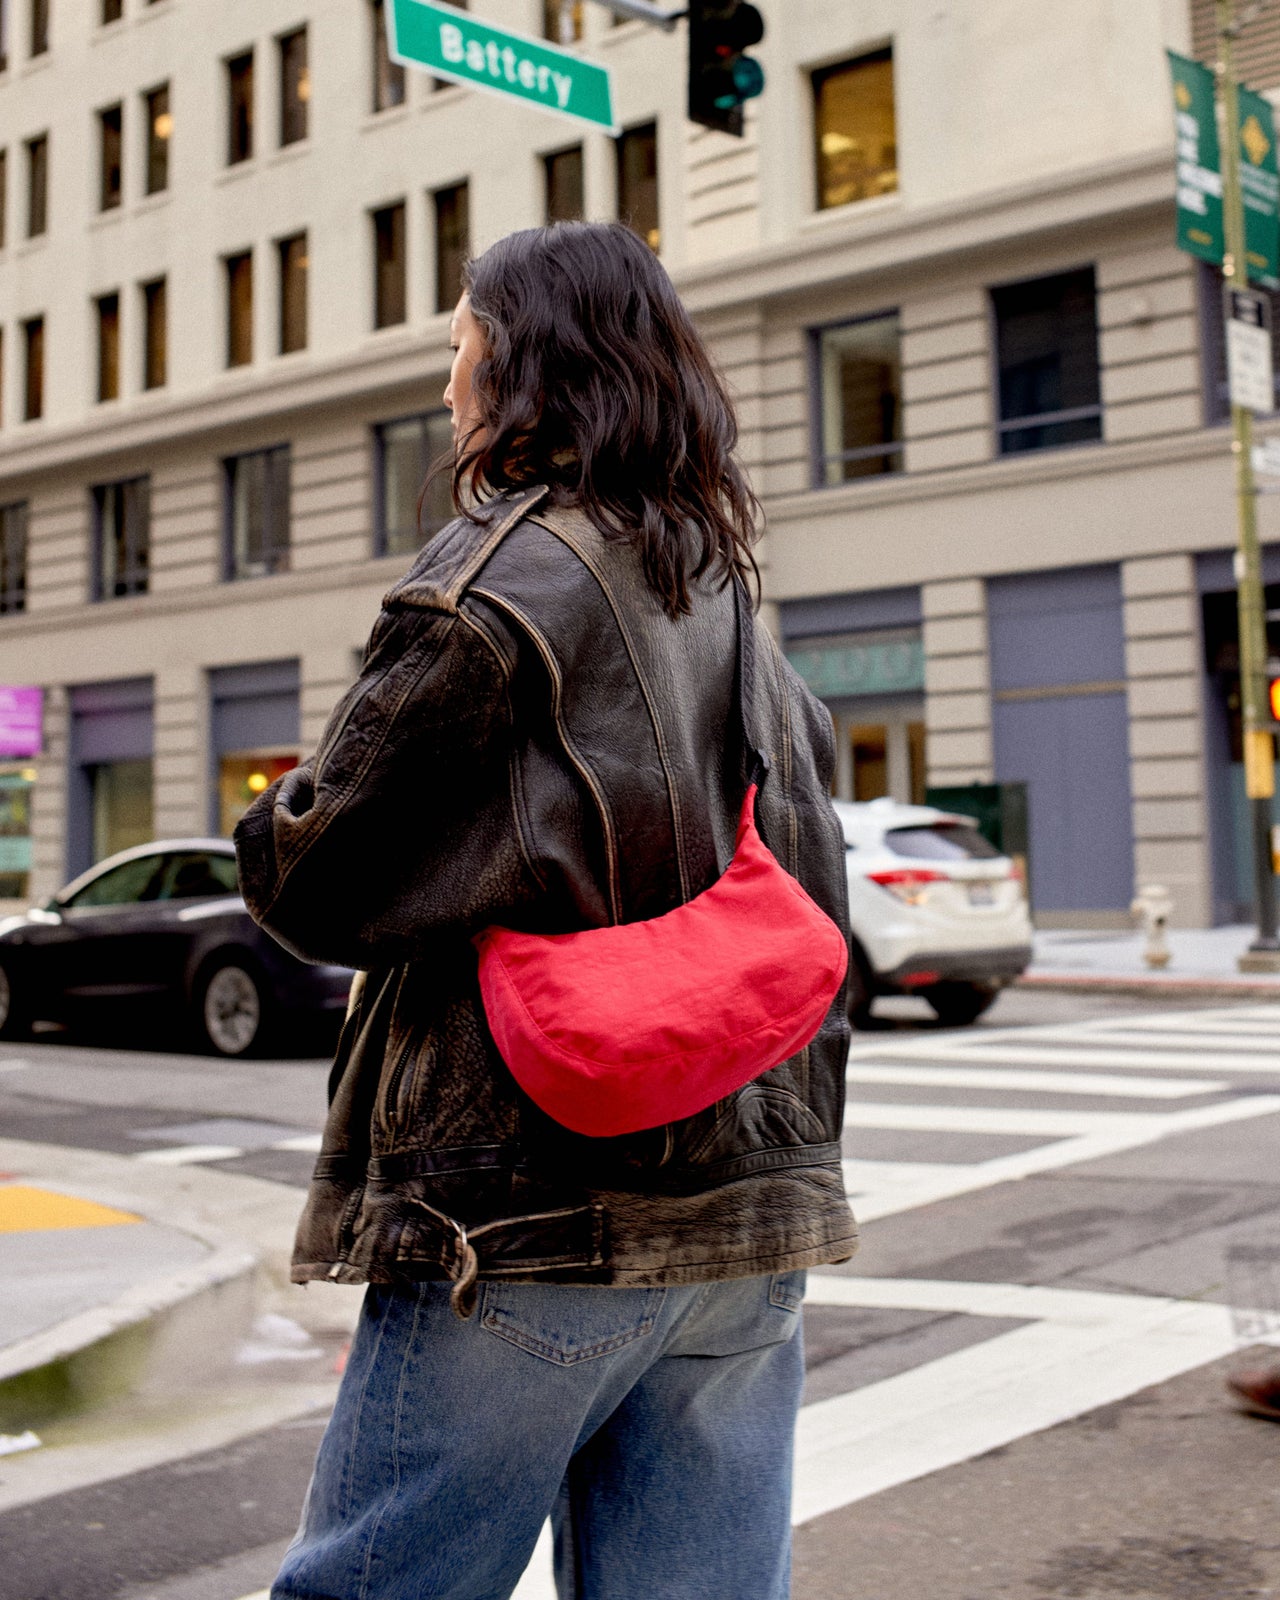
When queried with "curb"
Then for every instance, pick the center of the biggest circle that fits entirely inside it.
(167, 1330)
(1143, 987)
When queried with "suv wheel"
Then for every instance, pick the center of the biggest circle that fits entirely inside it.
(231, 1009)
(956, 1005)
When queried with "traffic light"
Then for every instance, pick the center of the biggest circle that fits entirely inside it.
(721, 76)
(1273, 695)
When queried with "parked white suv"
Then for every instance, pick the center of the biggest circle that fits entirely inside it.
(935, 910)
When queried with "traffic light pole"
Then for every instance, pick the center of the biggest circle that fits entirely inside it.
(643, 11)
(1263, 953)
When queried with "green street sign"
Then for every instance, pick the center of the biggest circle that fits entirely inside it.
(1199, 173)
(452, 44)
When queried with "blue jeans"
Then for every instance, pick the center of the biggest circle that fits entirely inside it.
(654, 1426)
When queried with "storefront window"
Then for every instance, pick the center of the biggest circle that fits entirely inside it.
(242, 776)
(122, 806)
(15, 832)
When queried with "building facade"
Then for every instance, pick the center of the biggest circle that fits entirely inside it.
(981, 396)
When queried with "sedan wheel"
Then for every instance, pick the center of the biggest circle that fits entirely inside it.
(956, 1005)
(232, 1010)
(13, 1021)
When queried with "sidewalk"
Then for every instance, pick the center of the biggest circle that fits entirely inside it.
(1202, 964)
(121, 1275)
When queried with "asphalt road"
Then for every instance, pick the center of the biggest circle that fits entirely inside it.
(1002, 1405)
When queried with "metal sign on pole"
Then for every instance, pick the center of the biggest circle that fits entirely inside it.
(1250, 379)
(452, 44)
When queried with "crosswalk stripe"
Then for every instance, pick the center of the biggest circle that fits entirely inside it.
(1087, 1056)
(1155, 1038)
(1086, 1083)
(1014, 1121)
(305, 1143)
(185, 1155)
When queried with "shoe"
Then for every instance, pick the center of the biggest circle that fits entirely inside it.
(1258, 1391)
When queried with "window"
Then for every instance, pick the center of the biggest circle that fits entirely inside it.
(1047, 360)
(37, 185)
(388, 75)
(564, 185)
(389, 280)
(33, 338)
(638, 182)
(108, 309)
(295, 86)
(122, 538)
(562, 21)
(257, 513)
(155, 339)
(453, 235)
(240, 108)
(404, 451)
(39, 27)
(13, 558)
(198, 875)
(293, 293)
(159, 132)
(110, 140)
(4, 35)
(132, 882)
(4, 197)
(112, 11)
(854, 130)
(859, 399)
(239, 270)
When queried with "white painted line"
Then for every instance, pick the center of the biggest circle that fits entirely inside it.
(1084, 1056)
(1095, 1350)
(185, 1155)
(307, 1143)
(1200, 1040)
(1013, 1121)
(14, 1065)
(923, 1184)
(1086, 1083)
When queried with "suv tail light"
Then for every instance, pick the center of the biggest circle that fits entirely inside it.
(908, 884)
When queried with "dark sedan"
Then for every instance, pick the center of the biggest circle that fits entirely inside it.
(158, 928)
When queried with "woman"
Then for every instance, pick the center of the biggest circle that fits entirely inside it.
(603, 1331)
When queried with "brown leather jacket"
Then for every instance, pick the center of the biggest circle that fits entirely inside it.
(533, 742)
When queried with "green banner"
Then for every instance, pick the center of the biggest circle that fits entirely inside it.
(893, 666)
(451, 44)
(1199, 163)
(1260, 183)
(1199, 173)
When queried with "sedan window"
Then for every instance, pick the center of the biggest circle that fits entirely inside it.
(941, 841)
(126, 884)
(196, 875)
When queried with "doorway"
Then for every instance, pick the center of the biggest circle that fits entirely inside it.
(880, 748)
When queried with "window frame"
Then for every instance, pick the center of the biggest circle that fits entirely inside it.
(154, 143)
(135, 578)
(231, 266)
(13, 592)
(818, 456)
(111, 125)
(1002, 426)
(279, 557)
(381, 58)
(619, 153)
(155, 350)
(559, 154)
(381, 533)
(100, 304)
(38, 193)
(294, 103)
(237, 67)
(447, 294)
(283, 247)
(817, 75)
(379, 320)
(33, 373)
(38, 38)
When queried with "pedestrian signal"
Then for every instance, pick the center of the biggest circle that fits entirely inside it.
(722, 77)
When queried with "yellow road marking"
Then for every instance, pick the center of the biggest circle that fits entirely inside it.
(27, 1210)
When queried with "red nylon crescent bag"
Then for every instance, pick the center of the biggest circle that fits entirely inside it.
(617, 1029)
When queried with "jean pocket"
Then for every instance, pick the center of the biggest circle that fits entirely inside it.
(786, 1289)
(568, 1323)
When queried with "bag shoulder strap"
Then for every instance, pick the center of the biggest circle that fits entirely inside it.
(755, 761)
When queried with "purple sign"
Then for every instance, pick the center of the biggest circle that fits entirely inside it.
(20, 720)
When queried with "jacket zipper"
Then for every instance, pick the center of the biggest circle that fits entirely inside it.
(345, 1228)
(391, 1099)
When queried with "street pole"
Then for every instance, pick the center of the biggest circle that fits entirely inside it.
(1263, 953)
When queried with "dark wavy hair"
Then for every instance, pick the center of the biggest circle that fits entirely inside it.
(596, 382)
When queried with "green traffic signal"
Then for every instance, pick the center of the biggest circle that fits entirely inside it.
(721, 77)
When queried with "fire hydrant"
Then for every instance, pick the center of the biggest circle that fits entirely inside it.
(1153, 905)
